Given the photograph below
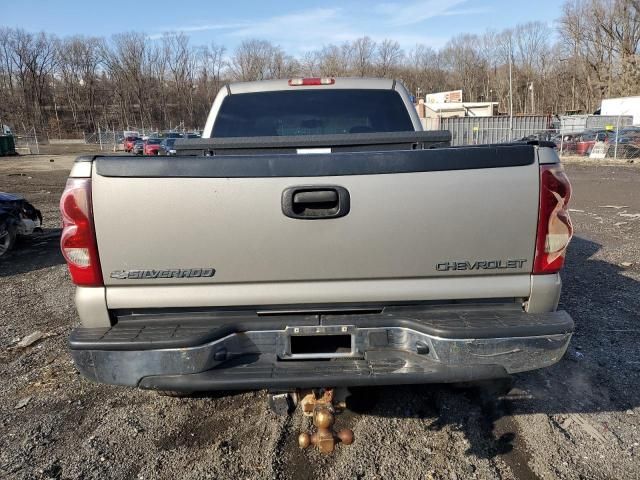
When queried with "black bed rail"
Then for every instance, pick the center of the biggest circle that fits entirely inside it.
(349, 142)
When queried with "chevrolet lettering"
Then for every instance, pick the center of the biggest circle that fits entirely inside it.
(481, 265)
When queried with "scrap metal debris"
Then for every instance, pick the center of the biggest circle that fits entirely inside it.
(32, 338)
(22, 403)
(588, 427)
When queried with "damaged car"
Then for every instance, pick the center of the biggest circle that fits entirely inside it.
(17, 218)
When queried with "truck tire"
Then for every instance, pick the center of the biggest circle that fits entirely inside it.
(7, 240)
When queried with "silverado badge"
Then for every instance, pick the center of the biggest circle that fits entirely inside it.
(163, 273)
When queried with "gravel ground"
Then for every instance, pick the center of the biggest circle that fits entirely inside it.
(579, 419)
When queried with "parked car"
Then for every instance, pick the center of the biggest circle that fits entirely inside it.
(566, 143)
(148, 135)
(17, 218)
(152, 146)
(322, 267)
(138, 147)
(172, 135)
(582, 143)
(166, 147)
(544, 135)
(628, 145)
(129, 142)
(629, 129)
(623, 137)
(631, 137)
(627, 135)
(588, 139)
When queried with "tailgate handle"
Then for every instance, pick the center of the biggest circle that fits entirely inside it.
(315, 202)
(316, 196)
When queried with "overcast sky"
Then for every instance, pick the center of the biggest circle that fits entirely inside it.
(294, 25)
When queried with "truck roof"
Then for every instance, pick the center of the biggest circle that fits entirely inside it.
(340, 83)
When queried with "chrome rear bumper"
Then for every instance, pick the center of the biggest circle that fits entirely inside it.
(394, 347)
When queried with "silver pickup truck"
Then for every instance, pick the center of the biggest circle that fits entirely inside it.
(315, 236)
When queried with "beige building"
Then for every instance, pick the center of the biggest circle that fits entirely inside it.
(430, 113)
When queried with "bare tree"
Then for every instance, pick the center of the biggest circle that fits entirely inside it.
(79, 62)
(181, 63)
(77, 83)
(532, 47)
(282, 65)
(462, 57)
(621, 27)
(33, 60)
(211, 69)
(334, 60)
(390, 55)
(364, 50)
(310, 64)
(251, 60)
(126, 63)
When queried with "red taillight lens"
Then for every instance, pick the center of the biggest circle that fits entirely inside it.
(78, 239)
(299, 82)
(554, 225)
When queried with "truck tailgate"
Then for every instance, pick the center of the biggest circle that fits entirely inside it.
(459, 215)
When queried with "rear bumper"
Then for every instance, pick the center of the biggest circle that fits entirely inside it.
(247, 351)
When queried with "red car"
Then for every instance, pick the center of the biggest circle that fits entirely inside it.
(566, 143)
(129, 142)
(151, 146)
(585, 142)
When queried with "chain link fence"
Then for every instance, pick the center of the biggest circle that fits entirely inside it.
(28, 142)
(598, 137)
(109, 139)
(483, 130)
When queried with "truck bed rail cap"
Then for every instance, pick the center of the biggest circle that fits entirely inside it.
(317, 165)
(298, 141)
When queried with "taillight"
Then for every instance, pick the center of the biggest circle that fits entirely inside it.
(299, 82)
(554, 225)
(78, 239)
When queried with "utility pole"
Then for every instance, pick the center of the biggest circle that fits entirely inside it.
(55, 108)
(510, 93)
(533, 110)
(615, 148)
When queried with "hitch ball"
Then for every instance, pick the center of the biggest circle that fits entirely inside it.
(324, 438)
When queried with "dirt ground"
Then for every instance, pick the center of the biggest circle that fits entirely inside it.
(579, 419)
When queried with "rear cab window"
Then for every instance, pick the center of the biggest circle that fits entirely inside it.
(311, 112)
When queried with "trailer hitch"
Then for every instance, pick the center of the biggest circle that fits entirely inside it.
(323, 406)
